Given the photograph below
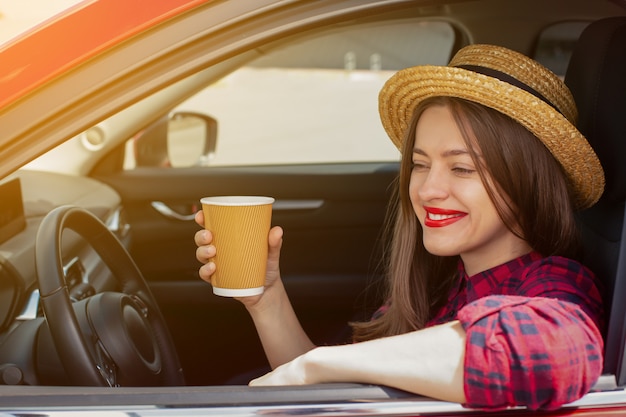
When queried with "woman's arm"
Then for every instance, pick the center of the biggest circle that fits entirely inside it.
(427, 362)
(504, 351)
(280, 331)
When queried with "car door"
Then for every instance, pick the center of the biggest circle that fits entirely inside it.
(299, 124)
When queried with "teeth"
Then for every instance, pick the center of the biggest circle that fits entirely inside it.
(439, 217)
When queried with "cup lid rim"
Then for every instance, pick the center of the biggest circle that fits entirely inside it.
(237, 200)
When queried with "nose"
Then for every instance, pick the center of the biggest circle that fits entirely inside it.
(430, 185)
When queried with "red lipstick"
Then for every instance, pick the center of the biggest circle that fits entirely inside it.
(438, 217)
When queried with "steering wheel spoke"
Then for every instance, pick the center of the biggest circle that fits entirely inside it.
(105, 365)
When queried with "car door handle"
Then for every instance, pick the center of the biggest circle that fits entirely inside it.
(170, 213)
(279, 205)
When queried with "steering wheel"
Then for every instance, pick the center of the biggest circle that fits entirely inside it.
(110, 338)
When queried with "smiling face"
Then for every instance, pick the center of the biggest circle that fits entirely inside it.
(451, 201)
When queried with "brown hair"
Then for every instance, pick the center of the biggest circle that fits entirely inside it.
(528, 188)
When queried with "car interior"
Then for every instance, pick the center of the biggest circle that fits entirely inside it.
(595, 77)
(328, 264)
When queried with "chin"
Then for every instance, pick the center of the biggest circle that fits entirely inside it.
(441, 249)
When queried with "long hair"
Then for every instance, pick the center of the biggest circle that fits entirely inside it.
(527, 186)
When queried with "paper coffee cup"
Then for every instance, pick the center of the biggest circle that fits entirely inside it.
(240, 226)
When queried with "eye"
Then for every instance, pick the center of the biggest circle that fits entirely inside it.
(419, 166)
(463, 171)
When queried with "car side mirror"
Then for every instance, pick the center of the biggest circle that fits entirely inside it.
(181, 140)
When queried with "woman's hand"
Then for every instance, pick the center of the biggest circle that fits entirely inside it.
(290, 373)
(207, 251)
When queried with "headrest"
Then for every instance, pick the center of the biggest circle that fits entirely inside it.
(597, 78)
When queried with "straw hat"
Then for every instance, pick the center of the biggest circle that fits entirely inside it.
(513, 84)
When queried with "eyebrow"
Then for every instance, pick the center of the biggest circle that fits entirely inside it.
(451, 152)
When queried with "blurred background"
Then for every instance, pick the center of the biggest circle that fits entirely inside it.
(17, 16)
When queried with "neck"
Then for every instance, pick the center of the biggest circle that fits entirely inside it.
(476, 263)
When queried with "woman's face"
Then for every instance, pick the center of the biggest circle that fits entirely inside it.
(451, 201)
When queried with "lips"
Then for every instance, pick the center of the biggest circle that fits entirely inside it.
(438, 217)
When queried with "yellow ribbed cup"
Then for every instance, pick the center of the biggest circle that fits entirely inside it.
(240, 226)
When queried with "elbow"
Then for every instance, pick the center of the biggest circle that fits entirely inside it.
(578, 358)
(547, 361)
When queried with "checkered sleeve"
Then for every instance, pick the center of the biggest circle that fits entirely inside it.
(536, 352)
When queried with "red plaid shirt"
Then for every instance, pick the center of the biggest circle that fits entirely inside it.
(532, 327)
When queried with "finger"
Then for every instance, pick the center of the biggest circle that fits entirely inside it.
(205, 253)
(275, 239)
(199, 218)
(275, 242)
(255, 382)
(206, 271)
(261, 381)
(203, 237)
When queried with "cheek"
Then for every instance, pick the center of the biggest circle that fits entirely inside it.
(478, 203)
(414, 186)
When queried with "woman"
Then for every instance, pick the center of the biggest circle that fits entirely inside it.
(486, 303)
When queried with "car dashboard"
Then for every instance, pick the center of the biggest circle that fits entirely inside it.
(40, 193)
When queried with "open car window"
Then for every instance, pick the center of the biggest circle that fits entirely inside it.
(309, 101)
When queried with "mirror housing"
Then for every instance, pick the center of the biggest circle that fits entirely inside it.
(180, 140)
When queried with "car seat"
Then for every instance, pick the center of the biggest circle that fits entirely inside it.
(596, 76)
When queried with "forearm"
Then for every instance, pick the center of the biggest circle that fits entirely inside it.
(427, 362)
(279, 330)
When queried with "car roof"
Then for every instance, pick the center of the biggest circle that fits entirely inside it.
(26, 67)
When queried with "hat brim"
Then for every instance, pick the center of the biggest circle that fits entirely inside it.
(407, 88)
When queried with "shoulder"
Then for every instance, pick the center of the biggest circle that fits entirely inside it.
(558, 268)
(534, 274)
(564, 279)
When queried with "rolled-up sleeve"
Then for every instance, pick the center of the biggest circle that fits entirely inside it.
(536, 352)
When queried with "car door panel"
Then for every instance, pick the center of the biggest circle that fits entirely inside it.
(332, 216)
